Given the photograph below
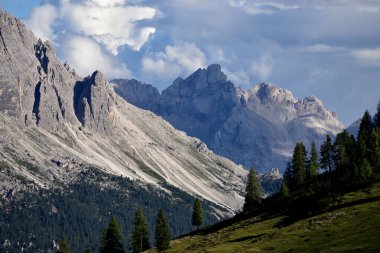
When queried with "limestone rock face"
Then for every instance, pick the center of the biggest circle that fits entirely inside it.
(54, 123)
(93, 103)
(256, 127)
(142, 95)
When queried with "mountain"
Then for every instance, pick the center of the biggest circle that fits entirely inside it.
(354, 127)
(65, 136)
(258, 126)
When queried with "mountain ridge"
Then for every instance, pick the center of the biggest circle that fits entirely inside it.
(58, 123)
(256, 127)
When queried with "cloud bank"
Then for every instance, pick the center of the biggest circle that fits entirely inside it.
(328, 48)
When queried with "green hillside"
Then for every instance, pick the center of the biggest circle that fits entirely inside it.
(350, 224)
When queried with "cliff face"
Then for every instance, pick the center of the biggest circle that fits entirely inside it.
(256, 127)
(54, 123)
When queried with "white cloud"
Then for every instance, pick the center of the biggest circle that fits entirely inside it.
(238, 77)
(107, 3)
(263, 68)
(40, 21)
(269, 7)
(86, 56)
(262, 7)
(368, 56)
(182, 58)
(109, 22)
(88, 33)
(322, 48)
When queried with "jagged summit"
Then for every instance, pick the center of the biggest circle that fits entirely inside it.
(210, 78)
(263, 93)
(279, 105)
(254, 127)
(215, 74)
(62, 123)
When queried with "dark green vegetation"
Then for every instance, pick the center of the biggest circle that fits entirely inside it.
(252, 192)
(112, 238)
(350, 223)
(81, 211)
(140, 234)
(198, 214)
(162, 233)
(348, 163)
(63, 246)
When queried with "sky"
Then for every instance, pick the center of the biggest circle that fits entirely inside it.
(326, 48)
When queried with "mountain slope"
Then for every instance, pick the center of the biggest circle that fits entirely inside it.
(350, 225)
(55, 123)
(259, 126)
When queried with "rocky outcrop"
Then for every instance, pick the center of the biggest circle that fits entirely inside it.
(93, 103)
(54, 123)
(144, 96)
(256, 127)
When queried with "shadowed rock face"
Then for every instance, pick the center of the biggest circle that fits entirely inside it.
(142, 95)
(53, 123)
(258, 126)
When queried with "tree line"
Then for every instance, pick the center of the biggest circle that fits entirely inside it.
(112, 238)
(346, 163)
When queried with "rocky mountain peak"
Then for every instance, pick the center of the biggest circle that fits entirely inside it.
(268, 93)
(215, 74)
(272, 174)
(258, 126)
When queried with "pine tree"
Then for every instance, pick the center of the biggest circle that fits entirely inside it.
(377, 116)
(87, 251)
(252, 192)
(299, 164)
(140, 237)
(344, 155)
(365, 171)
(288, 176)
(162, 233)
(313, 163)
(112, 239)
(63, 246)
(197, 218)
(365, 127)
(374, 149)
(284, 193)
(326, 151)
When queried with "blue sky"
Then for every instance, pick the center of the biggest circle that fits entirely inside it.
(326, 48)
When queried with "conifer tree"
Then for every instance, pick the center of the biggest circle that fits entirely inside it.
(112, 239)
(63, 246)
(374, 149)
(162, 233)
(344, 155)
(252, 192)
(140, 237)
(284, 193)
(365, 127)
(299, 164)
(364, 167)
(197, 218)
(313, 164)
(326, 151)
(288, 176)
(87, 251)
(377, 116)
(365, 171)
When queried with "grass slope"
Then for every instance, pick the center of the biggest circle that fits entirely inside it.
(351, 224)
